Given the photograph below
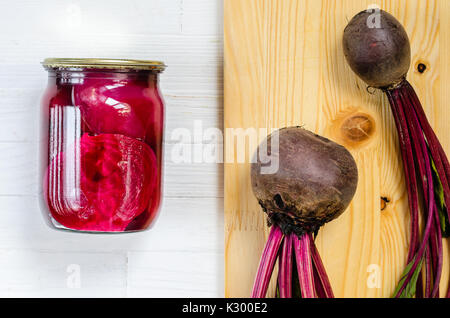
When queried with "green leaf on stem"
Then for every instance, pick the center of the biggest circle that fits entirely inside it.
(440, 202)
(410, 290)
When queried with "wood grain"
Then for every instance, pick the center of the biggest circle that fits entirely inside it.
(284, 66)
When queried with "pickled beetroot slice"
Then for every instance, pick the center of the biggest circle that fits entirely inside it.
(103, 183)
(118, 107)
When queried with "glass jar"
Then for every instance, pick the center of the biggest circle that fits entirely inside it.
(102, 131)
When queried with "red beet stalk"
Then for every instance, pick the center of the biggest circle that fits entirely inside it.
(267, 263)
(311, 275)
(426, 171)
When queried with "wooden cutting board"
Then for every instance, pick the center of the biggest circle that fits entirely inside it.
(284, 66)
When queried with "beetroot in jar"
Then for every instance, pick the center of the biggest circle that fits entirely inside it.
(102, 131)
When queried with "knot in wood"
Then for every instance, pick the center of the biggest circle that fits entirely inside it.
(358, 127)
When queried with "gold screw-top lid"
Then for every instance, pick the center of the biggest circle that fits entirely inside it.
(74, 63)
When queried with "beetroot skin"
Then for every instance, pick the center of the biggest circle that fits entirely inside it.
(315, 182)
(104, 186)
(380, 56)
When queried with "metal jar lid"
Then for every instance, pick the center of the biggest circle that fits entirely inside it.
(100, 63)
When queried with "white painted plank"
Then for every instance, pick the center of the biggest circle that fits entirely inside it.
(194, 63)
(184, 225)
(189, 52)
(31, 273)
(19, 113)
(193, 180)
(181, 256)
(202, 17)
(19, 168)
(71, 18)
(68, 18)
(186, 35)
(19, 174)
(165, 274)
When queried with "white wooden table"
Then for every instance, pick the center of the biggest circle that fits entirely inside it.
(182, 256)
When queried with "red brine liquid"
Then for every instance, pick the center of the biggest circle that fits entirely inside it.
(102, 159)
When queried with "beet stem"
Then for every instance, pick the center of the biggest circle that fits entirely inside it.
(428, 273)
(285, 268)
(419, 286)
(410, 175)
(267, 263)
(437, 152)
(318, 286)
(435, 243)
(399, 104)
(322, 278)
(304, 265)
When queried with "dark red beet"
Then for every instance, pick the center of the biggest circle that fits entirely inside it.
(380, 56)
(314, 184)
(102, 184)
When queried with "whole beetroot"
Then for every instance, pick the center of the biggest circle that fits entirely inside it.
(377, 49)
(315, 182)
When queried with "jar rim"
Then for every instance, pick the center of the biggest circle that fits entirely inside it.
(102, 63)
